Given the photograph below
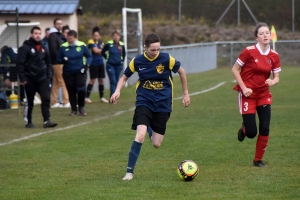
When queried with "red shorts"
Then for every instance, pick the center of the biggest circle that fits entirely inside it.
(248, 105)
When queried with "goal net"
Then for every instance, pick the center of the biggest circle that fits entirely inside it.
(132, 30)
(132, 36)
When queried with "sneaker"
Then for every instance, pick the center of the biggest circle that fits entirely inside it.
(87, 100)
(67, 105)
(104, 100)
(49, 124)
(241, 134)
(82, 111)
(56, 105)
(259, 163)
(30, 125)
(73, 113)
(128, 176)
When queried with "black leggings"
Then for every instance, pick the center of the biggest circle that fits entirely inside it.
(75, 84)
(264, 115)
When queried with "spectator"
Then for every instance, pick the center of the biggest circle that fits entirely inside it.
(9, 56)
(72, 54)
(34, 68)
(114, 53)
(45, 39)
(97, 67)
(65, 31)
(54, 42)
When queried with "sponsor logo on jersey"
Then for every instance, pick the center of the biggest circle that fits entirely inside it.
(155, 85)
(160, 68)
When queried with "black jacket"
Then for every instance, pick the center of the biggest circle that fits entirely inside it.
(54, 41)
(33, 64)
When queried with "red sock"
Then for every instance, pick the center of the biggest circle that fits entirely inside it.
(261, 145)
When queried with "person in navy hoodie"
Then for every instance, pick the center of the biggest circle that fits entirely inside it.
(114, 53)
(76, 58)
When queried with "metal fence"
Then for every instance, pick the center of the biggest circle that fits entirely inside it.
(194, 58)
(201, 57)
(228, 52)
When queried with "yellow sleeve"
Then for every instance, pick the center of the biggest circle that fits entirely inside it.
(90, 41)
(131, 66)
(171, 63)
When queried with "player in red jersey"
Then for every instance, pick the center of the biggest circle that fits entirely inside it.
(252, 72)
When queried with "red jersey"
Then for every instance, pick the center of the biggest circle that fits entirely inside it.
(256, 68)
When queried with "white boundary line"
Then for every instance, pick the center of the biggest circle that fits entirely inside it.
(97, 119)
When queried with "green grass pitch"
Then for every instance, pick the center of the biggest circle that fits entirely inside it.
(86, 157)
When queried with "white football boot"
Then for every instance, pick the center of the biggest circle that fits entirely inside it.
(128, 176)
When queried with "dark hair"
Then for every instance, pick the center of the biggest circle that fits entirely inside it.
(66, 27)
(258, 26)
(56, 19)
(96, 29)
(35, 28)
(47, 29)
(72, 33)
(4, 47)
(116, 32)
(151, 38)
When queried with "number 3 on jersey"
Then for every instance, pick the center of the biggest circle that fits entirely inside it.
(246, 106)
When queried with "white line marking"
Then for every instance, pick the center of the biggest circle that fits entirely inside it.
(203, 91)
(97, 119)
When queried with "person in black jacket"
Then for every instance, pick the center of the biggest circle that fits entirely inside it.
(55, 39)
(34, 69)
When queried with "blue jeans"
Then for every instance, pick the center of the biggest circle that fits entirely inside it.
(113, 72)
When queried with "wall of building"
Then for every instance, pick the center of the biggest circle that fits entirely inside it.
(45, 20)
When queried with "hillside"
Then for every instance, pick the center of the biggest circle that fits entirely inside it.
(173, 33)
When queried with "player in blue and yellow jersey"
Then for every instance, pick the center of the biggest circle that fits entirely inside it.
(114, 53)
(154, 99)
(97, 67)
(73, 54)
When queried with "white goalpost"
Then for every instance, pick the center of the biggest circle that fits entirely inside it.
(139, 30)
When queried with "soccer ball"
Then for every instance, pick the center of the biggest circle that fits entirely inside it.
(187, 170)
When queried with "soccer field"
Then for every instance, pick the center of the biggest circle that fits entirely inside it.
(86, 157)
